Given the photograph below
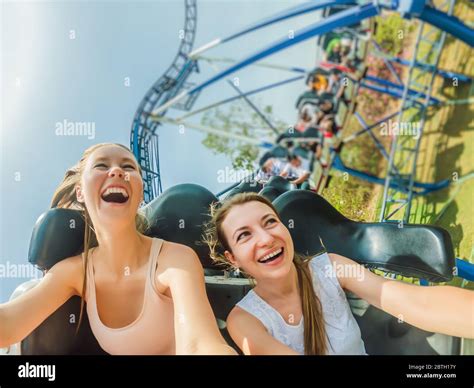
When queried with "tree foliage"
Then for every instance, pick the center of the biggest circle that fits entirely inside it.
(238, 118)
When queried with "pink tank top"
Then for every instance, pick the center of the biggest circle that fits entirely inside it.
(152, 332)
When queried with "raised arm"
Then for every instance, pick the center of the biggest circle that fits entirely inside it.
(251, 336)
(21, 316)
(441, 309)
(196, 330)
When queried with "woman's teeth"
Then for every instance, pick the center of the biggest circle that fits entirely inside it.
(271, 256)
(115, 194)
(117, 190)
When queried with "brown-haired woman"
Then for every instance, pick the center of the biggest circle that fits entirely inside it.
(144, 295)
(298, 305)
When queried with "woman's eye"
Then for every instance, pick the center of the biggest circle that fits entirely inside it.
(271, 221)
(242, 235)
(130, 166)
(101, 165)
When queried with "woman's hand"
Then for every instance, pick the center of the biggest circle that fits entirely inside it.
(441, 309)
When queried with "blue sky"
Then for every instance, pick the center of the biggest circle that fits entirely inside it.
(47, 78)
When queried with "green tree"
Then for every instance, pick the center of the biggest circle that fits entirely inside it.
(239, 118)
(391, 32)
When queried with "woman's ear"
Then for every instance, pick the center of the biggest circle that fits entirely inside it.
(230, 258)
(79, 194)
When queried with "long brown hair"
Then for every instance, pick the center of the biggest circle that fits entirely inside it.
(314, 328)
(65, 197)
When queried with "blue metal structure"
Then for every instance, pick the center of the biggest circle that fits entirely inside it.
(400, 184)
(145, 122)
(404, 150)
(144, 136)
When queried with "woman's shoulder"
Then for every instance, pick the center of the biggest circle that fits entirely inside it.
(172, 252)
(70, 271)
(178, 257)
(239, 317)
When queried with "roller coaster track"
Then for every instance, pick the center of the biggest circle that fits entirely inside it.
(396, 206)
(144, 136)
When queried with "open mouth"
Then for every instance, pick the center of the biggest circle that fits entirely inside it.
(115, 195)
(271, 256)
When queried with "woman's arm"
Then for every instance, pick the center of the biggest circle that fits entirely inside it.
(441, 309)
(251, 336)
(196, 330)
(21, 316)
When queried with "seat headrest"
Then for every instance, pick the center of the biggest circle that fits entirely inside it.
(421, 251)
(276, 186)
(301, 152)
(267, 155)
(245, 187)
(179, 214)
(312, 132)
(280, 183)
(279, 152)
(57, 234)
(270, 193)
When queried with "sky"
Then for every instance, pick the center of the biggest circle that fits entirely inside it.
(92, 62)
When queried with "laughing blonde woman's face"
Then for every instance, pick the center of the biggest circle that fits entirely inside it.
(111, 186)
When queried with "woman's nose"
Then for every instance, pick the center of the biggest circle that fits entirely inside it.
(265, 238)
(116, 172)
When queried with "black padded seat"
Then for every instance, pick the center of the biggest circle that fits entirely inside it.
(280, 183)
(44, 250)
(312, 132)
(179, 214)
(383, 334)
(276, 186)
(279, 152)
(59, 234)
(420, 251)
(245, 187)
(301, 152)
(270, 193)
(267, 155)
(57, 334)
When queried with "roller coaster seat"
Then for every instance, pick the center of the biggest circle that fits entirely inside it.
(276, 186)
(414, 250)
(245, 186)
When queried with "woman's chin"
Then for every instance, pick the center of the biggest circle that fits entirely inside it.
(275, 270)
(111, 211)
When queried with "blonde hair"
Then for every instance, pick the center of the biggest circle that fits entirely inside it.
(65, 197)
(314, 327)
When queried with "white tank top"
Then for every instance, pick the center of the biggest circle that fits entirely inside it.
(343, 333)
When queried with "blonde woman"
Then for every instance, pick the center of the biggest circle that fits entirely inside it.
(298, 306)
(144, 295)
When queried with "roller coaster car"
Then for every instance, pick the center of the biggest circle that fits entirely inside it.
(359, 33)
(178, 215)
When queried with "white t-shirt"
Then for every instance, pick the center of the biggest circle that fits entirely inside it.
(343, 333)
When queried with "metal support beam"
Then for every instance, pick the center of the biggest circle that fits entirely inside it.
(340, 19)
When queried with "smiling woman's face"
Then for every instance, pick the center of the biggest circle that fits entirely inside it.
(260, 244)
(111, 186)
